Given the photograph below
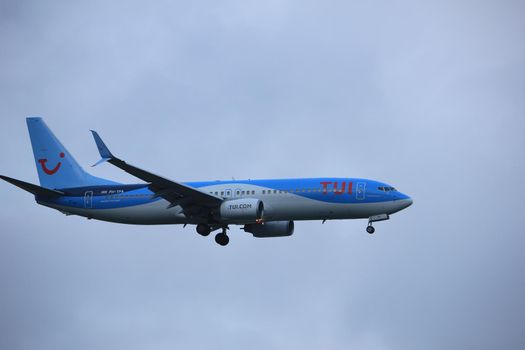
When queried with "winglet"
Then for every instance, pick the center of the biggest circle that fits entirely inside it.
(102, 149)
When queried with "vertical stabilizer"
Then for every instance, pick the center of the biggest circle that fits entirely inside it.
(55, 165)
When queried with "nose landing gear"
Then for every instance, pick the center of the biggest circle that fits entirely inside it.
(382, 217)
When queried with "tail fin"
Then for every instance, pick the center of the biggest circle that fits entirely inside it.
(55, 165)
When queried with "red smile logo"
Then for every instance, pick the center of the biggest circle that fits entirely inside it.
(55, 169)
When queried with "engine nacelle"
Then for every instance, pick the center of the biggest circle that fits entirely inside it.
(242, 210)
(271, 229)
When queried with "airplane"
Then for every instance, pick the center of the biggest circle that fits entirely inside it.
(264, 208)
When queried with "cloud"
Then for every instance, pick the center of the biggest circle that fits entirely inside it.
(426, 96)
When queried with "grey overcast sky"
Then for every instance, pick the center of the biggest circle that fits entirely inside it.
(425, 95)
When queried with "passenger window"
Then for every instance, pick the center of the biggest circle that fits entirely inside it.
(253, 192)
(222, 193)
(238, 192)
(264, 192)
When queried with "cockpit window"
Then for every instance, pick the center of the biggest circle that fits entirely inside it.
(386, 188)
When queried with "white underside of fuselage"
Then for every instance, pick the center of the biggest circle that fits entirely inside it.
(289, 207)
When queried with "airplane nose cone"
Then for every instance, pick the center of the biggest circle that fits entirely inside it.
(404, 201)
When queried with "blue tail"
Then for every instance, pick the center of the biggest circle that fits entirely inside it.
(55, 165)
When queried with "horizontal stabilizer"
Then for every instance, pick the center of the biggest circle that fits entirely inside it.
(34, 189)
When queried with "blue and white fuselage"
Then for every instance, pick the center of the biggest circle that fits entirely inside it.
(286, 199)
(266, 208)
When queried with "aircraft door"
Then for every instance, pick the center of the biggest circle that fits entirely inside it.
(360, 191)
(88, 200)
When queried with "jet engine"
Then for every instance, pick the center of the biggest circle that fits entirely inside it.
(271, 229)
(242, 210)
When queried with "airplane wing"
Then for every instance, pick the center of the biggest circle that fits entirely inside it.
(193, 201)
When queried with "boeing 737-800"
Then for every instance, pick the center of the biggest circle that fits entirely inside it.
(265, 208)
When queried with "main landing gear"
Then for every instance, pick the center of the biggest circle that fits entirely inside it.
(203, 229)
(382, 217)
(221, 238)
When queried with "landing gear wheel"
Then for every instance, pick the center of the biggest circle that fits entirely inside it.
(370, 229)
(203, 229)
(222, 239)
